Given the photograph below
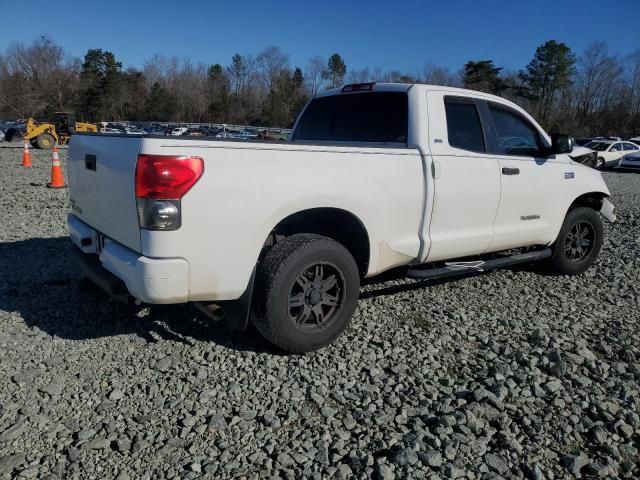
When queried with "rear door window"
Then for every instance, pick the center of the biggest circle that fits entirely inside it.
(377, 117)
(629, 146)
(464, 129)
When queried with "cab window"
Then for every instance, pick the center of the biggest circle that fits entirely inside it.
(376, 117)
(514, 134)
(616, 147)
(464, 129)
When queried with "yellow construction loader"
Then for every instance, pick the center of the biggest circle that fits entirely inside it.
(45, 135)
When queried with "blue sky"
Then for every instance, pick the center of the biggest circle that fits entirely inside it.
(399, 35)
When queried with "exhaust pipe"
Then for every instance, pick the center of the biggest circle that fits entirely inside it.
(211, 310)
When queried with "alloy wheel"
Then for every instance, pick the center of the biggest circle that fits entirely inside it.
(579, 241)
(316, 297)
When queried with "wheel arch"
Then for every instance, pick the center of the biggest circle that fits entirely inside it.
(341, 225)
(590, 199)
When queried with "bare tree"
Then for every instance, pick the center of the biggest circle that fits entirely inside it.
(632, 74)
(314, 74)
(431, 74)
(359, 76)
(37, 78)
(270, 63)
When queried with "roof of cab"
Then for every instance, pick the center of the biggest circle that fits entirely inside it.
(404, 87)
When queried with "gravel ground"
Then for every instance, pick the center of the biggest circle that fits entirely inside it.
(508, 375)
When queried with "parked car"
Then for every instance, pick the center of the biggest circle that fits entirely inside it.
(1, 135)
(154, 130)
(630, 161)
(617, 139)
(116, 126)
(610, 151)
(194, 132)
(130, 130)
(284, 233)
(635, 140)
(266, 135)
(177, 131)
(582, 141)
(110, 130)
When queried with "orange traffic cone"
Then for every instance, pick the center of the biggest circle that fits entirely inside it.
(57, 177)
(26, 155)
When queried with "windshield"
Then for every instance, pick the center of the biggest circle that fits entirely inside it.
(356, 117)
(598, 146)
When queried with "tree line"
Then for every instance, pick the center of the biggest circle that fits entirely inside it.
(594, 92)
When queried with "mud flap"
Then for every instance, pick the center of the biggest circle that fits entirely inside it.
(236, 312)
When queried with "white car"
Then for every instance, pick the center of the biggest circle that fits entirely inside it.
(611, 151)
(178, 131)
(376, 176)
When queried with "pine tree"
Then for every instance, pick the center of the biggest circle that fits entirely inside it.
(548, 73)
(483, 76)
(336, 70)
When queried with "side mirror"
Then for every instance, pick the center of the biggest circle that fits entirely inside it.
(561, 143)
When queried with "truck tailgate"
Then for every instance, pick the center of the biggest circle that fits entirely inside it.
(101, 170)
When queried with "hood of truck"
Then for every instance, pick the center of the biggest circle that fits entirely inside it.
(101, 172)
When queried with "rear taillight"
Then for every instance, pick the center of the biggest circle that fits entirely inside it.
(166, 176)
(161, 181)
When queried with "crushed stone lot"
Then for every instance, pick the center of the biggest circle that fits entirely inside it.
(506, 375)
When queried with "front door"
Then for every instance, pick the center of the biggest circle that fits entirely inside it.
(529, 182)
(466, 179)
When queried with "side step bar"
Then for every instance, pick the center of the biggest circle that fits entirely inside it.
(461, 268)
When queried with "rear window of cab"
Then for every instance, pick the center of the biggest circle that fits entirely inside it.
(376, 117)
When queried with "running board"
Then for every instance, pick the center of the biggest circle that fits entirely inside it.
(461, 268)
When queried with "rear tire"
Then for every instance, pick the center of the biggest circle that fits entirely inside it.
(579, 242)
(307, 289)
(600, 163)
(45, 141)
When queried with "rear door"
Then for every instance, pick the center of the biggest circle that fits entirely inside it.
(466, 178)
(101, 171)
(529, 181)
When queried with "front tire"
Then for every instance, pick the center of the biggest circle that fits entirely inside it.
(45, 141)
(579, 242)
(307, 290)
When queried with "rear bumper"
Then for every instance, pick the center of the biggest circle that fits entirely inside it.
(150, 280)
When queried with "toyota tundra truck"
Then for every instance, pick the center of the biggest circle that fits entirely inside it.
(433, 180)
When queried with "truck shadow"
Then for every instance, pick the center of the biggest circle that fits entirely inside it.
(39, 281)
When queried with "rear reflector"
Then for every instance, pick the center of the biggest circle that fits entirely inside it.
(166, 176)
(358, 87)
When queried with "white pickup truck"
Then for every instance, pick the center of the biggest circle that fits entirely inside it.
(440, 181)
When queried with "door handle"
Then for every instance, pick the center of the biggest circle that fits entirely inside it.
(90, 162)
(510, 171)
